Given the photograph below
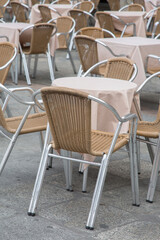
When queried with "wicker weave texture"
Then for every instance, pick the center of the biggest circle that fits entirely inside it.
(69, 115)
(94, 32)
(135, 7)
(139, 2)
(20, 12)
(85, 6)
(45, 13)
(6, 53)
(80, 18)
(119, 68)
(114, 5)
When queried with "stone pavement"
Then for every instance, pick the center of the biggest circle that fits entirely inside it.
(62, 215)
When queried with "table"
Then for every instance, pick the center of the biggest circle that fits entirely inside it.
(130, 17)
(149, 6)
(118, 93)
(61, 8)
(136, 48)
(12, 30)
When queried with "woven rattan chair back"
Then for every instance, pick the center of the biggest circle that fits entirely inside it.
(69, 116)
(96, 3)
(35, 2)
(20, 12)
(135, 7)
(45, 13)
(2, 7)
(139, 2)
(6, 52)
(63, 24)
(84, 6)
(119, 68)
(94, 32)
(81, 19)
(40, 38)
(63, 2)
(105, 21)
(87, 50)
(157, 19)
(114, 5)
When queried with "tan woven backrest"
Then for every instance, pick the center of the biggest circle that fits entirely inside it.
(119, 68)
(63, 24)
(157, 19)
(45, 13)
(69, 116)
(2, 9)
(94, 32)
(80, 18)
(19, 11)
(135, 7)
(35, 2)
(40, 38)
(96, 2)
(6, 53)
(105, 21)
(87, 50)
(85, 6)
(63, 2)
(114, 4)
(139, 2)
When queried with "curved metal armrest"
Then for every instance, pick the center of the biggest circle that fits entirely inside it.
(116, 55)
(5, 5)
(155, 28)
(11, 94)
(94, 66)
(123, 119)
(54, 10)
(6, 65)
(145, 82)
(153, 4)
(122, 8)
(109, 32)
(38, 102)
(150, 12)
(26, 28)
(147, 59)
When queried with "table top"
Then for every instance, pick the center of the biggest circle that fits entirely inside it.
(94, 83)
(127, 13)
(16, 25)
(134, 41)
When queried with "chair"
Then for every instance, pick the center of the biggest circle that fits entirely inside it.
(46, 13)
(96, 32)
(105, 21)
(87, 6)
(39, 44)
(153, 68)
(153, 26)
(12, 127)
(96, 3)
(65, 26)
(133, 7)
(88, 54)
(114, 5)
(145, 132)
(82, 18)
(69, 114)
(3, 5)
(118, 68)
(20, 11)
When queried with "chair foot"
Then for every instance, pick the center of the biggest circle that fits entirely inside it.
(69, 190)
(31, 214)
(84, 191)
(149, 201)
(89, 228)
(136, 205)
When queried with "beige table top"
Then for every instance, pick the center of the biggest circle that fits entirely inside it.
(130, 17)
(61, 8)
(12, 30)
(118, 93)
(137, 48)
(149, 6)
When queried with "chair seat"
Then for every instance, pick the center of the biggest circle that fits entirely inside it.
(148, 129)
(101, 142)
(35, 122)
(118, 34)
(153, 70)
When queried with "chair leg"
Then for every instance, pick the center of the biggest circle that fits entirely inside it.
(138, 158)
(85, 176)
(35, 66)
(50, 66)
(40, 175)
(71, 60)
(97, 192)
(26, 69)
(154, 173)
(68, 172)
(150, 150)
(9, 114)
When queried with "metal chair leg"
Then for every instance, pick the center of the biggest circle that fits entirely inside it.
(26, 69)
(50, 67)
(85, 176)
(154, 173)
